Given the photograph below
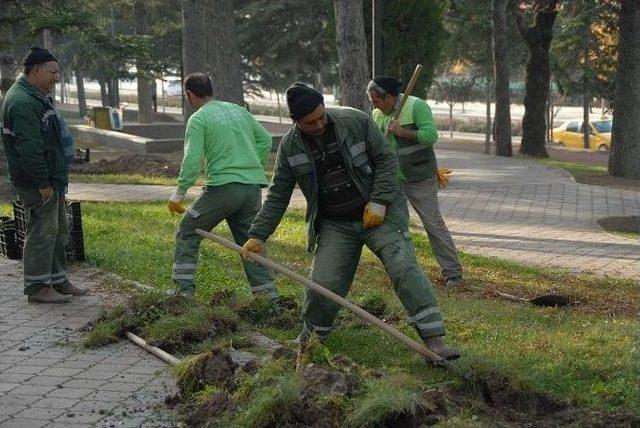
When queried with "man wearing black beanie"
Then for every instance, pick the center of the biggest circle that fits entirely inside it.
(33, 144)
(349, 177)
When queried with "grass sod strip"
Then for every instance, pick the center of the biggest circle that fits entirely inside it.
(587, 355)
(366, 316)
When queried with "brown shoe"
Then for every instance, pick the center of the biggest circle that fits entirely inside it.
(71, 289)
(47, 295)
(437, 345)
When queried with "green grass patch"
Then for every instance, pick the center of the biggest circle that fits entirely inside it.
(587, 354)
(577, 169)
(125, 179)
(384, 396)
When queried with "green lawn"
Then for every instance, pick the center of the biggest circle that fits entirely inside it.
(576, 169)
(125, 179)
(587, 354)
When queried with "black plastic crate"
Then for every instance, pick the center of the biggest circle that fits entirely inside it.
(19, 216)
(9, 246)
(75, 247)
(74, 216)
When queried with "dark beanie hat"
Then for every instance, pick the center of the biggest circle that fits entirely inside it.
(302, 100)
(391, 85)
(38, 56)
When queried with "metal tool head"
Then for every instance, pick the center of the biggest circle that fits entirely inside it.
(550, 299)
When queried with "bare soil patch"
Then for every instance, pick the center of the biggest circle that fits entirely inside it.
(149, 165)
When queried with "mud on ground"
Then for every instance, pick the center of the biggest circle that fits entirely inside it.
(337, 393)
(148, 165)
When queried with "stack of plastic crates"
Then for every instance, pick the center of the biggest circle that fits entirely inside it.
(75, 247)
(8, 240)
(20, 222)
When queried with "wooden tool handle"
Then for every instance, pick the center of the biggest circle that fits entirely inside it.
(405, 95)
(366, 316)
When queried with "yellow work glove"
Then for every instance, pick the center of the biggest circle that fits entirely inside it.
(252, 245)
(176, 204)
(443, 177)
(373, 215)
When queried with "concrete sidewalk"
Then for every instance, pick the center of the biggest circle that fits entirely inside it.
(47, 380)
(508, 208)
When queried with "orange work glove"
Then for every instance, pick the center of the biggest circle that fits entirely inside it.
(176, 204)
(373, 215)
(443, 177)
(252, 245)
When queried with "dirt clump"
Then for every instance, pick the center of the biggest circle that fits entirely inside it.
(221, 402)
(148, 165)
(217, 369)
(499, 391)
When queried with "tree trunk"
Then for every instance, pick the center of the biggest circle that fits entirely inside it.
(451, 120)
(194, 41)
(586, 107)
(352, 53)
(279, 107)
(81, 94)
(63, 91)
(224, 53)
(502, 131)
(113, 91)
(145, 85)
(538, 39)
(8, 69)
(104, 97)
(487, 131)
(47, 42)
(624, 160)
(586, 87)
(8, 62)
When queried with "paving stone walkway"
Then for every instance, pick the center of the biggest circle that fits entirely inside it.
(48, 380)
(508, 208)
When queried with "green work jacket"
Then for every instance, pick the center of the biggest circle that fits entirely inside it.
(369, 160)
(417, 158)
(31, 138)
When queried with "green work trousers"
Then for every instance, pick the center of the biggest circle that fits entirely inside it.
(236, 203)
(44, 259)
(334, 266)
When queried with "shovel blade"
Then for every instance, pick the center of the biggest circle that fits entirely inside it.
(550, 299)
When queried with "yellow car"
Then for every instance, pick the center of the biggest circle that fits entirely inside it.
(569, 134)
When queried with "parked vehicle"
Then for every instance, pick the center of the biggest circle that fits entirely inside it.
(570, 134)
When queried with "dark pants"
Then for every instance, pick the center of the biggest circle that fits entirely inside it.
(44, 258)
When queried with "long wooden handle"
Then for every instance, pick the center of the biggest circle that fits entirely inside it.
(405, 95)
(366, 316)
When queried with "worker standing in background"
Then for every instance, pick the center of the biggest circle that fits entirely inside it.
(413, 136)
(235, 149)
(35, 142)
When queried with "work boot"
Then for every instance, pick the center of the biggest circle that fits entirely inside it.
(437, 345)
(68, 288)
(454, 282)
(48, 295)
(183, 291)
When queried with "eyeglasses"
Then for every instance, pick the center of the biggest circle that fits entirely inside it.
(52, 71)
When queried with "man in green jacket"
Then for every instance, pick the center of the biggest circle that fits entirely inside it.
(348, 175)
(413, 136)
(234, 148)
(32, 142)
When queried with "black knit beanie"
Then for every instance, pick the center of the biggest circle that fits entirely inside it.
(302, 100)
(38, 56)
(391, 85)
